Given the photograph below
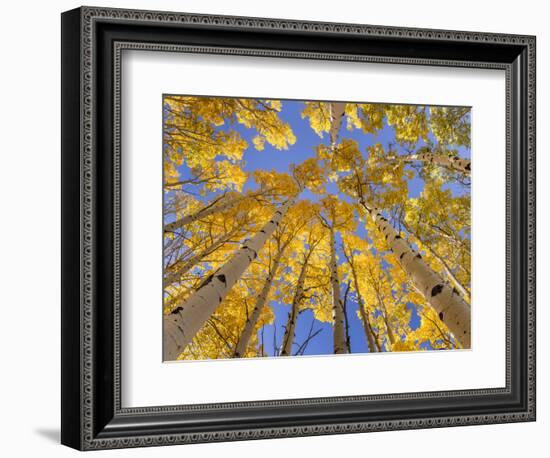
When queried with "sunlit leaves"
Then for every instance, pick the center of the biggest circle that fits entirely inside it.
(208, 146)
(336, 213)
(263, 116)
(451, 125)
(201, 130)
(276, 182)
(409, 121)
(259, 142)
(365, 116)
(309, 175)
(344, 157)
(432, 333)
(318, 114)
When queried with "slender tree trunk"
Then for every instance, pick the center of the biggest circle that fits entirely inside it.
(209, 210)
(290, 329)
(456, 282)
(361, 304)
(391, 336)
(179, 268)
(459, 243)
(373, 348)
(448, 161)
(337, 306)
(183, 323)
(452, 309)
(382, 307)
(442, 335)
(346, 320)
(374, 336)
(337, 111)
(252, 320)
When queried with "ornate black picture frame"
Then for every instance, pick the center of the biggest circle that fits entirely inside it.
(92, 42)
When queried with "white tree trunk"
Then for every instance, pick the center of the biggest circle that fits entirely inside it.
(452, 309)
(290, 329)
(261, 300)
(183, 323)
(452, 162)
(182, 267)
(337, 306)
(456, 282)
(373, 348)
(337, 111)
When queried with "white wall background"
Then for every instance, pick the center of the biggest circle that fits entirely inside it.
(30, 214)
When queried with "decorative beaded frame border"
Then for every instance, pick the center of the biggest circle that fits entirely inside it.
(89, 15)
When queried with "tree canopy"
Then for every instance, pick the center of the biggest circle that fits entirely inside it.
(311, 227)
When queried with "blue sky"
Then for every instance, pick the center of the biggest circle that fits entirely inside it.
(281, 160)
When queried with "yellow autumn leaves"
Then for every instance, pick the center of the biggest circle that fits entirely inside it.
(205, 140)
(198, 132)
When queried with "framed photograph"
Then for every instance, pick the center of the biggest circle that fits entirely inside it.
(276, 228)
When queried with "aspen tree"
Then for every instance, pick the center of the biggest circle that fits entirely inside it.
(446, 301)
(308, 268)
(336, 215)
(179, 268)
(285, 234)
(372, 344)
(183, 322)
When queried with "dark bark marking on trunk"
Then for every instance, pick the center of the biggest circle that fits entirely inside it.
(437, 289)
(208, 280)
